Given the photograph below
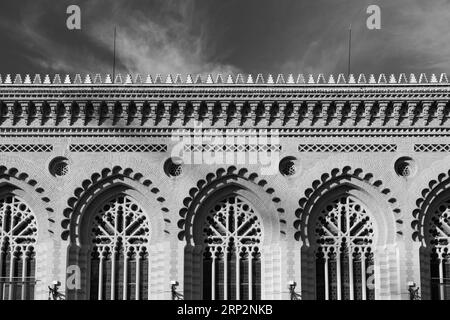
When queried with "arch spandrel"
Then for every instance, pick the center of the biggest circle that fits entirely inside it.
(249, 187)
(381, 206)
(99, 188)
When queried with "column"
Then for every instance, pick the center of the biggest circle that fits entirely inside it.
(138, 274)
(327, 286)
(363, 276)
(350, 266)
(441, 279)
(213, 275)
(238, 271)
(24, 276)
(250, 279)
(125, 274)
(338, 274)
(100, 276)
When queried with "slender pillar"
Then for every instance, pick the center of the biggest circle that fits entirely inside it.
(125, 273)
(338, 275)
(100, 277)
(238, 268)
(327, 293)
(441, 279)
(250, 279)
(2, 294)
(213, 276)
(24, 276)
(138, 274)
(11, 275)
(350, 266)
(113, 274)
(225, 275)
(363, 276)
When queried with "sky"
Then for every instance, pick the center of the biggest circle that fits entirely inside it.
(224, 36)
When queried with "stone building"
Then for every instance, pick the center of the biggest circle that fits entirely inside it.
(225, 187)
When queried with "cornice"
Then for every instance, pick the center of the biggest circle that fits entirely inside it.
(219, 113)
(219, 79)
(390, 102)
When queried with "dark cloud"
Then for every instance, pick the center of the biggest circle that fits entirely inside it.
(210, 36)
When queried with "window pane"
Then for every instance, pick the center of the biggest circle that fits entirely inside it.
(119, 228)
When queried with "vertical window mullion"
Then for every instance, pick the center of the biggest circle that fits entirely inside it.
(11, 275)
(100, 275)
(441, 278)
(250, 276)
(363, 275)
(238, 271)
(213, 275)
(24, 275)
(327, 285)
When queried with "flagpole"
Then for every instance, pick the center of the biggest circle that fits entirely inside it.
(114, 59)
(349, 49)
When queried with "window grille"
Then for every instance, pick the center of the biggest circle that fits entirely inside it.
(26, 148)
(425, 147)
(439, 230)
(118, 148)
(344, 266)
(232, 257)
(119, 258)
(347, 148)
(18, 234)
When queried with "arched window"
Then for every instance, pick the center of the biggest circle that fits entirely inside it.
(344, 265)
(231, 256)
(18, 234)
(439, 231)
(119, 258)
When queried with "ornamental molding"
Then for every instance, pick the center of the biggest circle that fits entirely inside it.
(330, 184)
(431, 197)
(219, 114)
(276, 102)
(95, 185)
(219, 79)
(212, 183)
(140, 132)
(16, 179)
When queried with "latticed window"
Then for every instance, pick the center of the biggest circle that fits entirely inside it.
(232, 257)
(344, 265)
(119, 259)
(18, 234)
(439, 231)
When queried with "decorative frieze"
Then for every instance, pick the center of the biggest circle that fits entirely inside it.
(170, 113)
(237, 79)
(347, 148)
(118, 148)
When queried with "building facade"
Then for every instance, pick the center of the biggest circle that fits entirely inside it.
(225, 187)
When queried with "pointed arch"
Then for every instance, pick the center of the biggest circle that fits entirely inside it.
(364, 192)
(25, 235)
(125, 195)
(230, 185)
(431, 229)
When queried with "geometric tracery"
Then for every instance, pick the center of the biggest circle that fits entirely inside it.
(120, 245)
(439, 232)
(18, 235)
(344, 234)
(232, 235)
(121, 223)
(232, 223)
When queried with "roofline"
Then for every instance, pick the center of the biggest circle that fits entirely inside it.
(239, 80)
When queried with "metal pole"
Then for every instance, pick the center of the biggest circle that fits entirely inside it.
(349, 49)
(114, 59)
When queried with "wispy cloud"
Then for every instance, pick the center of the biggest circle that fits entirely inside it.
(163, 44)
(162, 41)
(252, 36)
